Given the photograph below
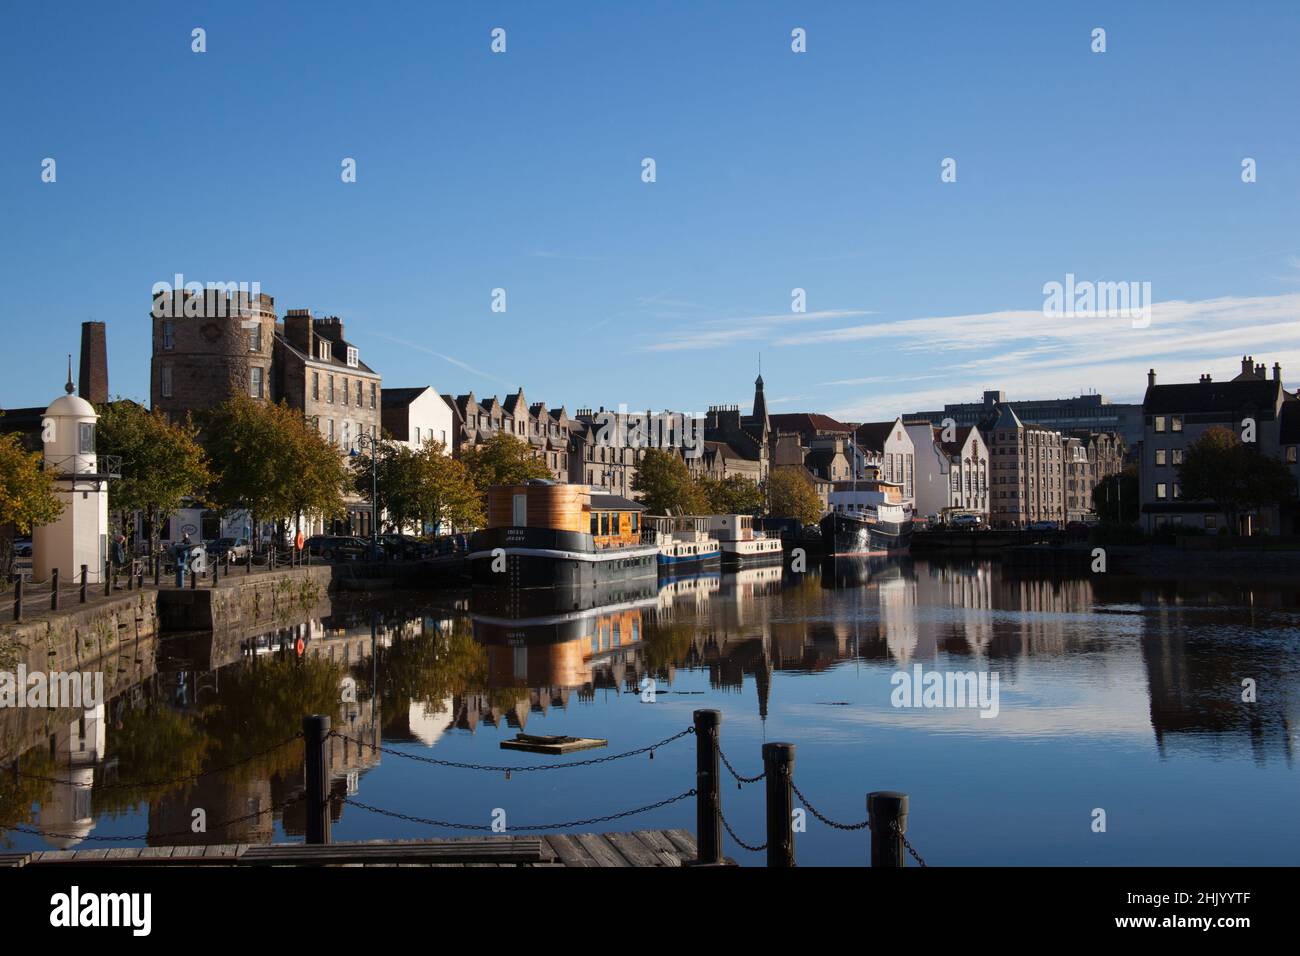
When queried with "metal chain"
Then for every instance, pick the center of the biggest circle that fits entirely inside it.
(732, 770)
(739, 842)
(152, 784)
(493, 768)
(155, 836)
(825, 819)
(568, 825)
(910, 849)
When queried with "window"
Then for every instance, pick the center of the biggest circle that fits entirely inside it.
(1177, 456)
(255, 382)
(347, 439)
(315, 386)
(1160, 423)
(1162, 490)
(169, 335)
(331, 429)
(1211, 522)
(165, 383)
(595, 519)
(358, 393)
(345, 391)
(324, 352)
(329, 394)
(1290, 454)
(86, 436)
(1176, 423)
(1178, 490)
(353, 360)
(1160, 456)
(417, 434)
(373, 390)
(255, 337)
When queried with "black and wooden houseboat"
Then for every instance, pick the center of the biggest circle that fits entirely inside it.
(546, 535)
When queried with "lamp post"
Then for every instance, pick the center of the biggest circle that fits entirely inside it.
(364, 440)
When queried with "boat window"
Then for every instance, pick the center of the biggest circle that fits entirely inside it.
(604, 523)
(595, 524)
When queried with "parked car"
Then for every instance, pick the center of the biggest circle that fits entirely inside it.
(22, 547)
(1043, 526)
(451, 544)
(967, 522)
(333, 547)
(232, 549)
(404, 547)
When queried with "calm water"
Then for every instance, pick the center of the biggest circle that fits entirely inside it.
(1113, 694)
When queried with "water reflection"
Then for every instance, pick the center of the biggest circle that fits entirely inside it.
(1148, 666)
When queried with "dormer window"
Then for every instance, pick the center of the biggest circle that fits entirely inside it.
(325, 353)
(354, 360)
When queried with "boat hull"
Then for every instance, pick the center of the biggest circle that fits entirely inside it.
(847, 536)
(544, 558)
(676, 564)
(741, 554)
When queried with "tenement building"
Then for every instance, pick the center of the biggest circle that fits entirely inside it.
(950, 475)
(1083, 413)
(1176, 416)
(545, 431)
(1027, 473)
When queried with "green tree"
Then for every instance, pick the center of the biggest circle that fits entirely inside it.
(419, 486)
(27, 497)
(502, 460)
(666, 485)
(1116, 498)
(733, 495)
(793, 495)
(1236, 476)
(272, 462)
(162, 464)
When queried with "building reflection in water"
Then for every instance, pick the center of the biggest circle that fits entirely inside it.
(412, 675)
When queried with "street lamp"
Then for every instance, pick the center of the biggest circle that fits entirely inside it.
(362, 441)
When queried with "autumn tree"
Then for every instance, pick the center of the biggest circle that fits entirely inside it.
(272, 462)
(733, 495)
(666, 485)
(163, 464)
(27, 496)
(418, 486)
(502, 460)
(792, 495)
(1116, 498)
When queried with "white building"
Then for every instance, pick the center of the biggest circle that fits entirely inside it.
(417, 416)
(888, 446)
(950, 474)
(79, 536)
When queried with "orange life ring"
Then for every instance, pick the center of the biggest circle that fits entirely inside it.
(300, 646)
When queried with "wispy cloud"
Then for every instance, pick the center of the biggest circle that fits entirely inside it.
(1030, 355)
(717, 333)
(446, 358)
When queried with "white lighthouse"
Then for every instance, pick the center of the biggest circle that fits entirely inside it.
(80, 534)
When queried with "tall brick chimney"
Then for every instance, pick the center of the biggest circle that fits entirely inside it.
(93, 380)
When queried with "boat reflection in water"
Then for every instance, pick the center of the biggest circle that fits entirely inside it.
(853, 572)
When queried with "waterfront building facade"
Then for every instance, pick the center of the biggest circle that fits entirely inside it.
(1091, 412)
(950, 474)
(417, 416)
(888, 447)
(1026, 472)
(1176, 416)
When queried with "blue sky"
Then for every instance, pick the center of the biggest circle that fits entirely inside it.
(775, 171)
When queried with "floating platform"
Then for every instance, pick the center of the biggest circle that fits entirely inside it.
(552, 745)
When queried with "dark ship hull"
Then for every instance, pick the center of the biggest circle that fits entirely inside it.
(844, 535)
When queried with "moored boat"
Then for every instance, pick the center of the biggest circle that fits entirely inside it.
(544, 535)
(684, 544)
(866, 518)
(742, 545)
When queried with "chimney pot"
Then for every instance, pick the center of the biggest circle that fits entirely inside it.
(1151, 378)
(1277, 371)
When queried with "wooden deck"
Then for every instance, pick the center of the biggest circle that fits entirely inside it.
(635, 848)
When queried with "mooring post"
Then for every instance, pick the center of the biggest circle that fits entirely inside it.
(54, 590)
(778, 765)
(85, 577)
(108, 577)
(315, 731)
(708, 784)
(18, 597)
(887, 811)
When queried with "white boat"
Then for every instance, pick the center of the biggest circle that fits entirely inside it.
(742, 545)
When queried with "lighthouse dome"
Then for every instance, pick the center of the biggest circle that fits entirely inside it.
(71, 406)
